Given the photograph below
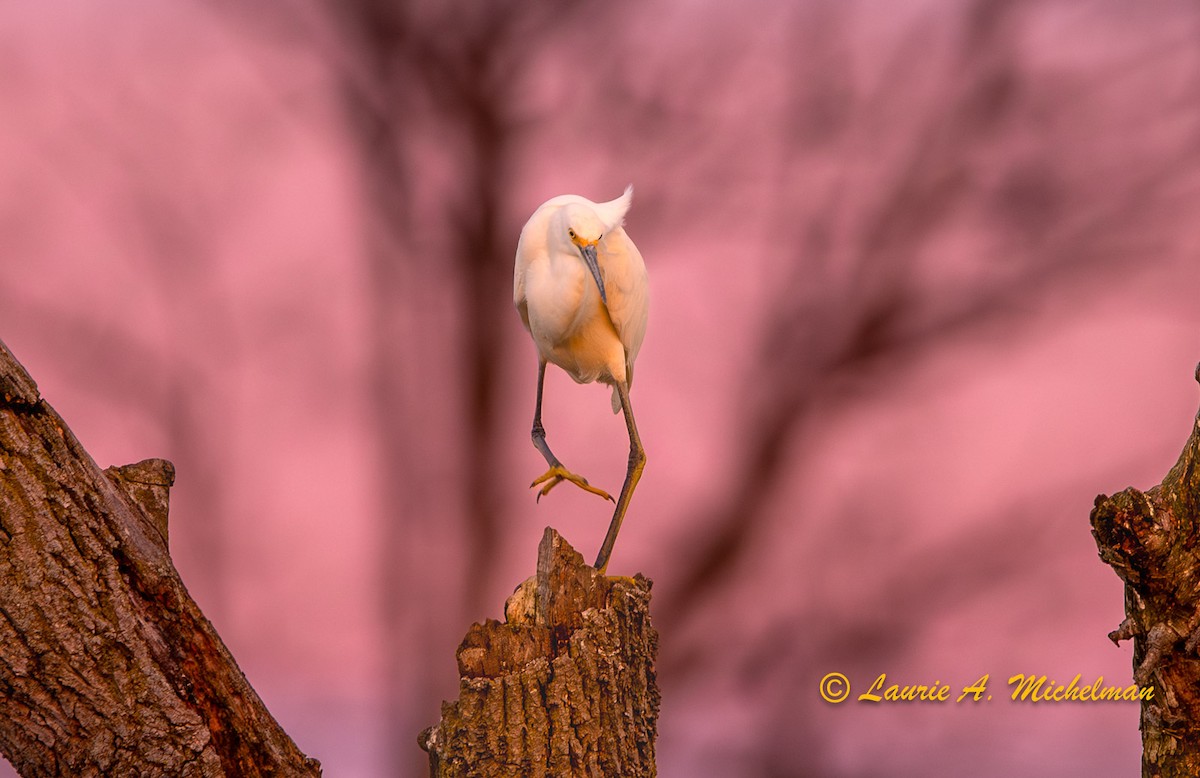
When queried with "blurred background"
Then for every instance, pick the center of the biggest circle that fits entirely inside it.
(924, 281)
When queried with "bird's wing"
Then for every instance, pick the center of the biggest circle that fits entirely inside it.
(519, 291)
(531, 242)
(627, 290)
(523, 309)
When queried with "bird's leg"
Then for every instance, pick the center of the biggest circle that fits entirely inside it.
(557, 473)
(637, 461)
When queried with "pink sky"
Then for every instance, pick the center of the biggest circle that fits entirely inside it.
(183, 233)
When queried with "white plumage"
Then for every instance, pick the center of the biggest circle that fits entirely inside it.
(566, 317)
(580, 286)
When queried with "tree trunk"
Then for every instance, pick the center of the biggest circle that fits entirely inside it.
(107, 666)
(1152, 540)
(564, 688)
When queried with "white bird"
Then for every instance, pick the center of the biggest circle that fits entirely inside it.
(580, 286)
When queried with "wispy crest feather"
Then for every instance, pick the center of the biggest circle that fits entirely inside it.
(613, 212)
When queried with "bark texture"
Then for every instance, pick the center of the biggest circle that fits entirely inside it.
(1152, 540)
(564, 688)
(107, 666)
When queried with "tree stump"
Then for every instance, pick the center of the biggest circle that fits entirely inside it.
(564, 688)
(1152, 541)
(107, 665)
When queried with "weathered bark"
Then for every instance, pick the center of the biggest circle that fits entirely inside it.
(1152, 541)
(564, 688)
(107, 666)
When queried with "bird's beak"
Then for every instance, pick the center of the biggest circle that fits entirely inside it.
(589, 256)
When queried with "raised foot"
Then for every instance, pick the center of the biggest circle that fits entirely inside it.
(556, 475)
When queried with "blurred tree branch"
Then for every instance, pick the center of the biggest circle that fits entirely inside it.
(423, 85)
(859, 306)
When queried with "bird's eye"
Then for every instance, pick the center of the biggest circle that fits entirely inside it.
(571, 232)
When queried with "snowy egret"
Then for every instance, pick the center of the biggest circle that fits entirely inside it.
(581, 289)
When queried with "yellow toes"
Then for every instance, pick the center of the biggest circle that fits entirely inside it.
(556, 475)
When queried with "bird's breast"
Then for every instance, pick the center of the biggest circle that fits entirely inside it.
(570, 325)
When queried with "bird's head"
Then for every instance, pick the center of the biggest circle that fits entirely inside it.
(584, 230)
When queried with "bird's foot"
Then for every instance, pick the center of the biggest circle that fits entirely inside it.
(557, 474)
